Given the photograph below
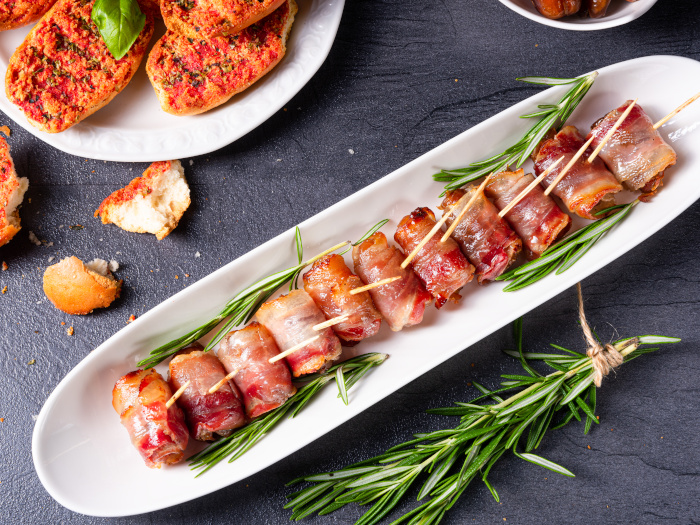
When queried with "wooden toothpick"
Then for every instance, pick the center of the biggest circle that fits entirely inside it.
(223, 381)
(331, 322)
(566, 169)
(676, 111)
(293, 349)
(464, 210)
(530, 187)
(177, 394)
(612, 130)
(374, 285)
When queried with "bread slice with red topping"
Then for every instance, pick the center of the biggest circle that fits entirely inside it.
(193, 76)
(203, 19)
(63, 71)
(18, 13)
(12, 190)
(153, 203)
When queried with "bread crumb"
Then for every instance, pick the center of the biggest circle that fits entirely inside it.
(4, 290)
(4, 266)
(187, 275)
(34, 239)
(31, 362)
(589, 447)
(51, 258)
(177, 277)
(197, 255)
(113, 266)
(191, 162)
(2, 419)
(70, 331)
(132, 318)
(63, 323)
(351, 151)
(76, 227)
(5, 130)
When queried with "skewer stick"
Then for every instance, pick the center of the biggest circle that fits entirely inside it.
(566, 169)
(331, 322)
(223, 381)
(170, 402)
(527, 190)
(323, 254)
(612, 130)
(374, 285)
(464, 210)
(676, 111)
(430, 235)
(293, 349)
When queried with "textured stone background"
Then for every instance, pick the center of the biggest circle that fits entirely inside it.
(388, 92)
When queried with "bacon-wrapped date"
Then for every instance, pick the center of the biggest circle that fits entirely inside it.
(264, 385)
(588, 186)
(554, 9)
(485, 238)
(207, 414)
(158, 433)
(597, 8)
(329, 282)
(537, 219)
(636, 154)
(290, 319)
(440, 265)
(401, 302)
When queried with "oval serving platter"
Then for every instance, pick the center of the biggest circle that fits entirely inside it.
(133, 128)
(620, 12)
(83, 455)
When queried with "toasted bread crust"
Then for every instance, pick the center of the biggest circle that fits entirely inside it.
(191, 77)
(204, 19)
(75, 289)
(63, 71)
(18, 13)
(12, 190)
(116, 206)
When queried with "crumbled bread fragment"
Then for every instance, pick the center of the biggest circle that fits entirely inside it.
(34, 239)
(132, 318)
(4, 266)
(70, 331)
(4, 290)
(113, 266)
(32, 361)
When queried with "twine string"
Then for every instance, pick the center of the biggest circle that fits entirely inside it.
(604, 357)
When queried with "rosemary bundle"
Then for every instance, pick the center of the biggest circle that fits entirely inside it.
(234, 446)
(448, 460)
(550, 116)
(564, 254)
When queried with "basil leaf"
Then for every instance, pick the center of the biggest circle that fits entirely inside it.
(120, 22)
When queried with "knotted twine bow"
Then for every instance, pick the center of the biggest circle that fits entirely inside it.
(604, 358)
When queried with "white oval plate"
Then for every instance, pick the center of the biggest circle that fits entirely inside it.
(81, 452)
(133, 128)
(620, 12)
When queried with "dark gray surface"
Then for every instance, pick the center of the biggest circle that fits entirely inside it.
(388, 92)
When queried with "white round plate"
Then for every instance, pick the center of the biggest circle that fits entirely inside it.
(133, 128)
(620, 12)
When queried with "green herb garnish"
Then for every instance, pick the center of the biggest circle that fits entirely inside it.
(120, 22)
(234, 446)
(449, 460)
(550, 116)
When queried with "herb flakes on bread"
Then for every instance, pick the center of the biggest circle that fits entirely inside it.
(153, 203)
(18, 13)
(63, 71)
(77, 288)
(12, 189)
(191, 76)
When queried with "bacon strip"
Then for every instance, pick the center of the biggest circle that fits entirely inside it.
(329, 282)
(290, 319)
(636, 153)
(587, 186)
(536, 218)
(206, 414)
(484, 237)
(264, 386)
(440, 265)
(401, 302)
(158, 433)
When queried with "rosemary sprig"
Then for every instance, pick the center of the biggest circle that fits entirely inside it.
(454, 457)
(234, 446)
(549, 115)
(564, 254)
(240, 309)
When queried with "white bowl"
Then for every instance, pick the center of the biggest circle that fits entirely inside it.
(620, 12)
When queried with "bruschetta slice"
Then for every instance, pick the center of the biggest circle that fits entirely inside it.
(18, 13)
(63, 72)
(192, 76)
(12, 189)
(203, 19)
